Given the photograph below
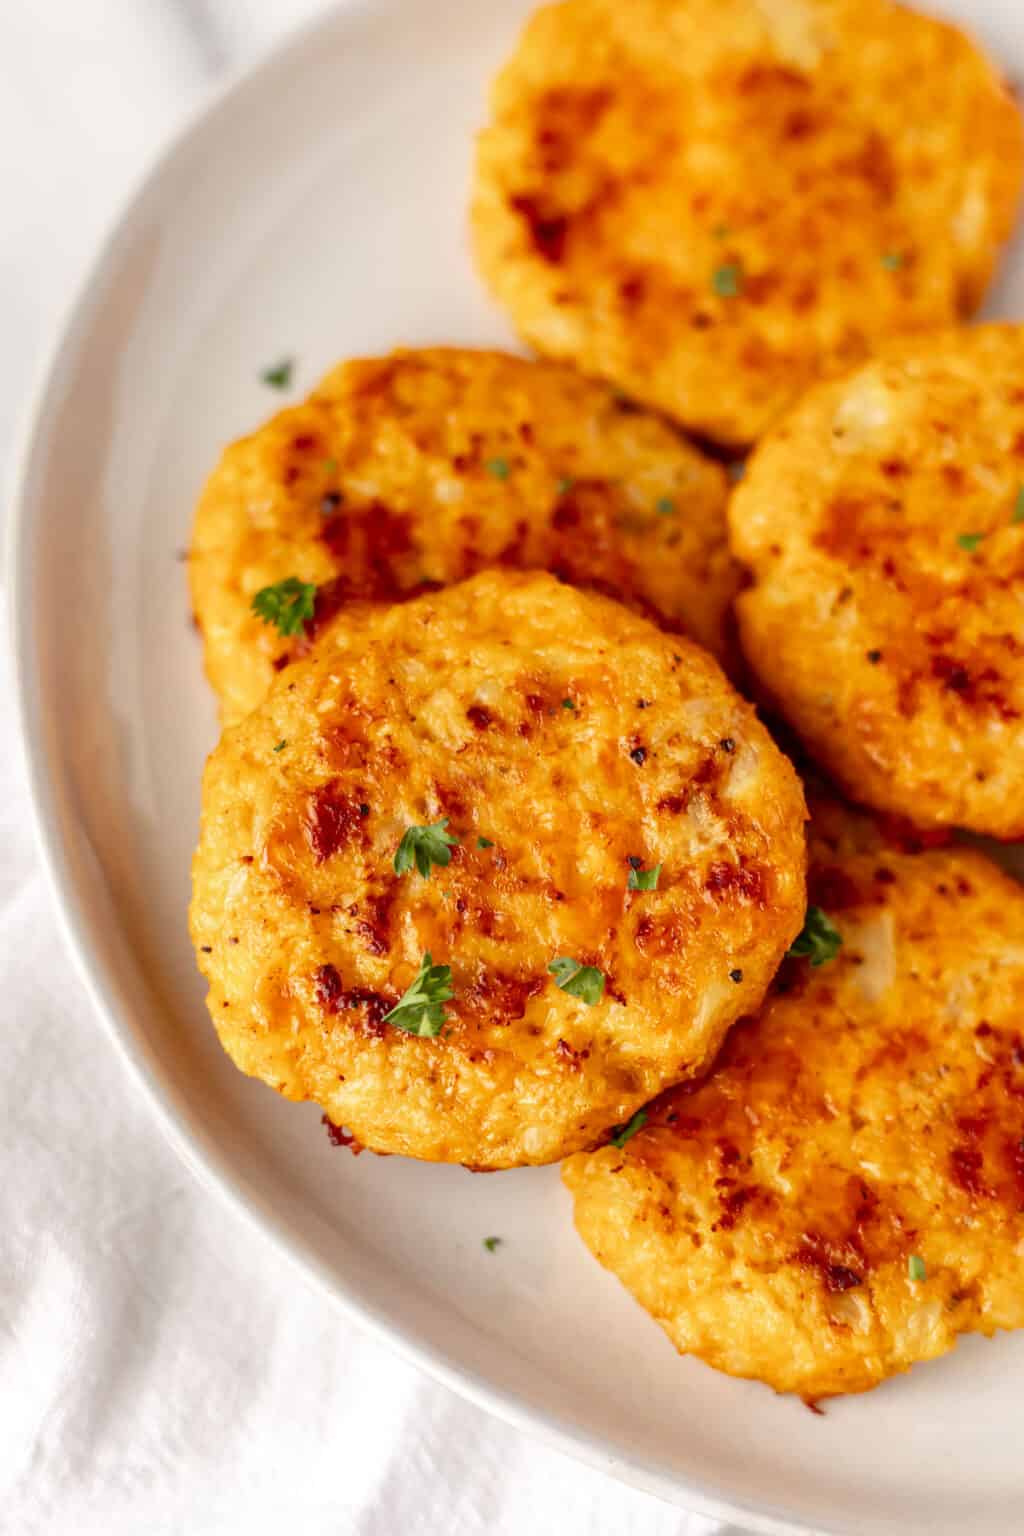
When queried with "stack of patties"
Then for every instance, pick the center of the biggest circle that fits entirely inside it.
(713, 202)
(493, 853)
(844, 1195)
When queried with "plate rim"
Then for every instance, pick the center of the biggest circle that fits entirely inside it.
(200, 1154)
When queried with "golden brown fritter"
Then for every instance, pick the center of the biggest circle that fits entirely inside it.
(567, 742)
(405, 473)
(883, 523)
(844, 1195)
(712, 202)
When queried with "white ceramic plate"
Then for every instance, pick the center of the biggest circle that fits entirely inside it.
(317, 209)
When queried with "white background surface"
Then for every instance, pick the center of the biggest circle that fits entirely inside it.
(160, 1369)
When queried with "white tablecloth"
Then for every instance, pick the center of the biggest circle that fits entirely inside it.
(161, 1371)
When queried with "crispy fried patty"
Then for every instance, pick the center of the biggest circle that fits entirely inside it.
(844, 1195)
(405, 473)
(568, 745)
(883, 525)
(711, 202)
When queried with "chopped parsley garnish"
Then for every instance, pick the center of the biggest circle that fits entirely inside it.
(280, 746)
(727, 280)
(644, 879)
(491, 1243)
(280, 375)
(568, 704)
(420, 1009)
(484, 842)
(424, 846)
(631, 1127)
(721, 231)
(892, 261)
(566, 484)
(818, 941)
(1017, 515)
(330, 466)
(916, 1267)
(665, 506)
(288, 604)
(969, 541)
(583, 981)
(499, 468)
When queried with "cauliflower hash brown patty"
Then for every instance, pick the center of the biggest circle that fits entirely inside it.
(844, 1195)
(711, 202)
(566, 744)
(883, 524)
(409, 472)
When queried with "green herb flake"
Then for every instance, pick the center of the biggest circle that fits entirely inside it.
(644, 879)
(420, 1009)
(969, 541)
(727, 280)
(566, 484)
(721, 232)
(630, 1129)
(818, 941)
(893, 261)
(1017, 515)
(288, 604)
(484, 842)
(330, 466)
(583, 981)
(280, 746)
(491, 1243)
(280, 375)
(424, 846)
(665, 506)
(499, 468)
(568, 704)
(916, 1267)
